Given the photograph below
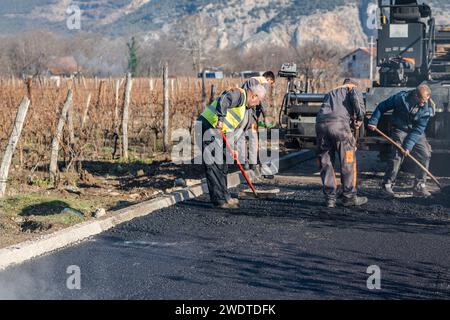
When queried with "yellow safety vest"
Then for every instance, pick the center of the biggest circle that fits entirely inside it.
(233, 117)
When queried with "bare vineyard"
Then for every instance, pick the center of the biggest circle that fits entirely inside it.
(96, 115)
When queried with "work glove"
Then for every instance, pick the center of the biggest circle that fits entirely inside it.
(357, 124)
(406, 153)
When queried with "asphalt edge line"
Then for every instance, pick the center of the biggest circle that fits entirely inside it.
(27, 250)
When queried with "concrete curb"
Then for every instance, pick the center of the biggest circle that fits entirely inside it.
(24, 251)
(295, 158)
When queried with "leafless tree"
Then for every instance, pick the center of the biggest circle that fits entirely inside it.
(318, 64)
(28, 53)
(194, 34)
(153, 54)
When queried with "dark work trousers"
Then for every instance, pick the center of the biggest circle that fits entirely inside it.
(249, 144)
(421, 151)
(336, 137)
(216, 174)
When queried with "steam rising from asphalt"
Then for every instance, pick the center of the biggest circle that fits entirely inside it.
(14, 286)
(27, 284)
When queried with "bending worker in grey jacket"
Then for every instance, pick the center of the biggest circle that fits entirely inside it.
(228, 113)
(410, 116)
(340, 106)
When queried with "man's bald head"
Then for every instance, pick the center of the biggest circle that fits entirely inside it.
(423, 94)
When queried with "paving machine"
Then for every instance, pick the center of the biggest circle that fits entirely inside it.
(411, 50)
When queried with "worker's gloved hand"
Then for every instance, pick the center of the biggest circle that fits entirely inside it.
(371, 127)
(357, 124)
(406, 153)
(219, 125)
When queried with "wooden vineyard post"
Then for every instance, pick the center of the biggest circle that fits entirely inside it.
(57, 138)
(125, 116)
(166, 106)
(13, 139)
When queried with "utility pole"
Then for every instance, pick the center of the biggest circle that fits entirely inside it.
(371, 58)
(204, 89)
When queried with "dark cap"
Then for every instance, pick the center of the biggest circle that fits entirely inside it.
(350, 81)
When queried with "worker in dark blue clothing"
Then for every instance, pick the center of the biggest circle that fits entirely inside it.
(334, 135)
(411, 113)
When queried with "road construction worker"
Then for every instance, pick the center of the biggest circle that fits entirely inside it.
(230, 113)
(251, 143)
(268, 81)
(410, 116)
(340, 108)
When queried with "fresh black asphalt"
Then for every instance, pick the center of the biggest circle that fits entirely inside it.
(288, 247)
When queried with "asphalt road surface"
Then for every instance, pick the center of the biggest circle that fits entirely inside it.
(288, 247)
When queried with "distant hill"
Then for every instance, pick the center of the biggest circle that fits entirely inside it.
(240, 24)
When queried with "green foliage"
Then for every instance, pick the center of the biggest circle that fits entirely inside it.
(132, 57)
(39, 182)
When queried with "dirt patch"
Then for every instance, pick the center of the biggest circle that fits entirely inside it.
(31, 226)
(31, 209)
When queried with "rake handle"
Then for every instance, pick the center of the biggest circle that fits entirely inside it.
(381, 133)
(238, 163)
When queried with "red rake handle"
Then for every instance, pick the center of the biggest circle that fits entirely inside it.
(238, 163)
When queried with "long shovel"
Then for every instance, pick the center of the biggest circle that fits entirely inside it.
(381, 133)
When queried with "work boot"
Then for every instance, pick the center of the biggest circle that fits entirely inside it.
(227, 205)
(386, 188)
(420, 190)
(233, 201)
(354, 201)
(330, 203)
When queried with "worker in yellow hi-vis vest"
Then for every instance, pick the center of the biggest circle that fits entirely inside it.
(229, 113)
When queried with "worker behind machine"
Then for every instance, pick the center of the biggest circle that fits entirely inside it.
(340, 108)
(230, 113)
(410, 117)
(268, 81)
(250, 145)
